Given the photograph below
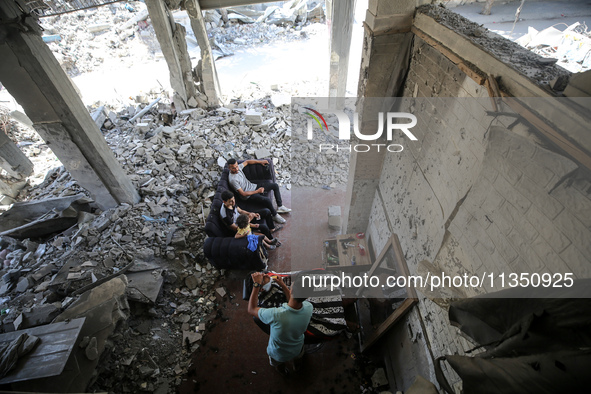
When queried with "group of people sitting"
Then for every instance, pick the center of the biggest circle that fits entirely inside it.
(252, 224)
(288, 319)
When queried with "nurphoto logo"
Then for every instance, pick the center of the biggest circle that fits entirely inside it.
(345, 130)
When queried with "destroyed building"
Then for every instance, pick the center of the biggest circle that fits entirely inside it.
(107, 285)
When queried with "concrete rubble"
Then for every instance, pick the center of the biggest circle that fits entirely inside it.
(570, 48)
(140, 270)
(121, 36)
(155, 246)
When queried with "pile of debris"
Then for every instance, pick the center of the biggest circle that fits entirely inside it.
(570, 48)
(18, 127)
(121, 35)
(111, 36)
(58, 248)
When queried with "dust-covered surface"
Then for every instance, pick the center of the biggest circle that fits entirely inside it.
(538, 69)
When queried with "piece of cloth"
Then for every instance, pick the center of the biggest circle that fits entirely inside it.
(328, 318)
(288, 326)
(240, 181)
(244, 231)
(11, 352)
(228, 216)
(253, 242)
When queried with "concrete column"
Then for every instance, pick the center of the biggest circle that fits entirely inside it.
(340, 22)
(211, 86)
(35, 79)
(13, 160)
(384, 64)
(171, 37)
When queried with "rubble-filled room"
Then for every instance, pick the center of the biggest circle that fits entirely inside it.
(196, 198)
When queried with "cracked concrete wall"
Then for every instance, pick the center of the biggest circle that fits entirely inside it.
(473, 196)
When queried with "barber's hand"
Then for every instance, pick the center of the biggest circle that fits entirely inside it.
(260, 190)
(257, 277)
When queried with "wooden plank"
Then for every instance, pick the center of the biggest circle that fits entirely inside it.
(468, 69)
(554, 135)
(493, 91)
(389, 322)
(401, 270)
(50, 355)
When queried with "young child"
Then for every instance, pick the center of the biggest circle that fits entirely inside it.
(245, 229)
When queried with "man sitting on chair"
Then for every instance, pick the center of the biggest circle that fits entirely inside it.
(246, 189)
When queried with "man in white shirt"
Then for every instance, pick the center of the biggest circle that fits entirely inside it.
(248, 190)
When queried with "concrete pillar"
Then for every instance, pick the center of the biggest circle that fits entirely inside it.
(35, 79)
(13, 160)
(171, 37)
(211, 86)
(340, 22)
(385, 60)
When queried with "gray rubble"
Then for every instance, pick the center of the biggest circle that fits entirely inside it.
(155, 245)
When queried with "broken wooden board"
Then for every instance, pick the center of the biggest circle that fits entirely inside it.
(50, 355)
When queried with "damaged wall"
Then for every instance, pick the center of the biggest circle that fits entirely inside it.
(473, 196)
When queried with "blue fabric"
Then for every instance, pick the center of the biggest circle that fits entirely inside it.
(253, 242)
(288, 326)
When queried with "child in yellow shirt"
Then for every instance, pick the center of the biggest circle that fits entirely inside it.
(245, 229)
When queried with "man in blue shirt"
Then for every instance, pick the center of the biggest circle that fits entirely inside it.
(288, 324)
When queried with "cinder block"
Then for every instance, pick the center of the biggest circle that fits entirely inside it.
(143, 127)
(334, 217)
(253, 118)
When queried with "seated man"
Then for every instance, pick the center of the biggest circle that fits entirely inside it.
(288, 325)
(229, 212)
(246, 189)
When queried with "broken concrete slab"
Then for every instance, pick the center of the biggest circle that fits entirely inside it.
(103, 307)
(40, 315)
(144, 286)
(23, 219)
(46, 359)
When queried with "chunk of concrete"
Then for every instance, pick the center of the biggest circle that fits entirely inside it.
(334, 217)
(262, 153)
(253, 118)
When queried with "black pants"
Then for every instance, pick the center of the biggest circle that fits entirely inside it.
(265, 223)
(266, 201)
